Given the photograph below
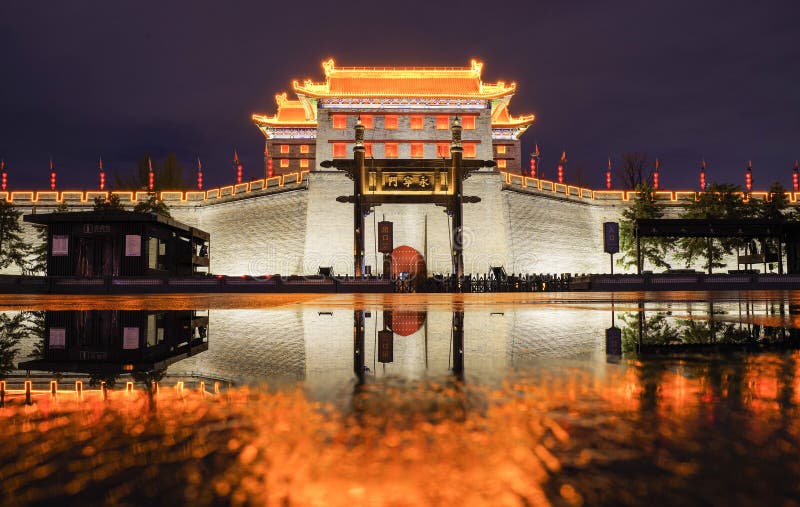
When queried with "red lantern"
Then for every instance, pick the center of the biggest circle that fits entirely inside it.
(102, 175)
(748, 177)
(3, 175)
(608, 175)
(655, 175)
(561, 164)
(703, 175)
(238, 166)
(795, 180)
(150, 175)
(52, 175)
(269, 168)
(199, 174)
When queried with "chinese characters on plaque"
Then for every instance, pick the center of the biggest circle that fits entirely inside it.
(407, 182)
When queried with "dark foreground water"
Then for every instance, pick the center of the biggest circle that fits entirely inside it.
(402, 401)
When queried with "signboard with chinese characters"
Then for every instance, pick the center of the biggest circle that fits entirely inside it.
(385, 346)
(412, 181)
(96, 229)
(385, 237)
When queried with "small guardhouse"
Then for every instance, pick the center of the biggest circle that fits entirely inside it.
(117, 243)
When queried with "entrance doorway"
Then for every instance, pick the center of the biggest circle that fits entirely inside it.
(408, 266)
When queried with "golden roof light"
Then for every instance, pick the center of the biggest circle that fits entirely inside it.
(391, 82)
(290, 113)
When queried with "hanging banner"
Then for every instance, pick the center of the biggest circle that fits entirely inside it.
(385, 346)
(611, 237)
(385, 237)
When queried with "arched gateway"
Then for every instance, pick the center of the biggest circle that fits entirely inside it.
(409, 181)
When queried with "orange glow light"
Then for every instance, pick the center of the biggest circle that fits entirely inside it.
(339, 121)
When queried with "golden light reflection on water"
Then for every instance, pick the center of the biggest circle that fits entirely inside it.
(665, 432)
(420, 302)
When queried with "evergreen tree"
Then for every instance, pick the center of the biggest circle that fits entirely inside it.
(654, 250)
(776, 206)
(12, 331)
(110, 203)
(152, 205)
(722, 201)
(13, 249)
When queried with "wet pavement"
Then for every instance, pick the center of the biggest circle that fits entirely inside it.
(509, 399)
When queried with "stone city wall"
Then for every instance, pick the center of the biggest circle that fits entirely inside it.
(525, 225)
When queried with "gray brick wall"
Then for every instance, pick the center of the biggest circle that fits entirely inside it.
(295, 232)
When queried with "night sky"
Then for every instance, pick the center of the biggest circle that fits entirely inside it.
(680, 80)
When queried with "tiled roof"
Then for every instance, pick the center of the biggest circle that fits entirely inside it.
(290, 113)
(441, 82)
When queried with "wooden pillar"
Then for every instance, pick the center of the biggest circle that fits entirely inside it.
(456, 205)
(387, 266)
(458, 345)
(358, 345)
(638, 254)
(358, 204)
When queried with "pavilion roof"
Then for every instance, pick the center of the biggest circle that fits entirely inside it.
(502, 118)
(392, 82)
(290, 113)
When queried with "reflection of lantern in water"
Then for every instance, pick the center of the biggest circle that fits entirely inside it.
(406, 323)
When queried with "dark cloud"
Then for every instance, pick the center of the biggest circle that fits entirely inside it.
(679, 80)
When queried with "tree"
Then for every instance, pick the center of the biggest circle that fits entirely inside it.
(775, 207)
(721, 201)
(13, 249)
(12, 331)
(152, 205)
(168, 175)
(634, 171)
(109, 203)
(654, 250)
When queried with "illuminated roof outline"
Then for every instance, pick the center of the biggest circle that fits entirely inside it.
(291, 113)
(391, 82)
(457, 83)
